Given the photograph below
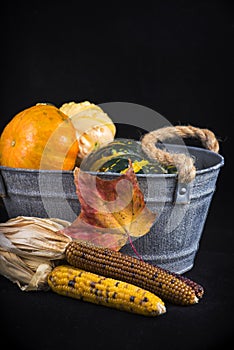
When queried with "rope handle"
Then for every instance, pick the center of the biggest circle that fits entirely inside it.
(184, 163)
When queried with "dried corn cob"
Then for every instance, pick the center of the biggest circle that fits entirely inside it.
(73, 282)
(167, 285)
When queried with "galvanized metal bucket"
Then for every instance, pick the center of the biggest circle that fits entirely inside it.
(173, 240)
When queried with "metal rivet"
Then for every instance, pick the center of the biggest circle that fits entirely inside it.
(182, 190)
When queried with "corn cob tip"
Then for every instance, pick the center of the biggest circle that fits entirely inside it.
(161, 309)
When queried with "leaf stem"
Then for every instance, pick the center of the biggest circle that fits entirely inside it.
(134, 248)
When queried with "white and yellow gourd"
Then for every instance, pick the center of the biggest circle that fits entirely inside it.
(93, 126)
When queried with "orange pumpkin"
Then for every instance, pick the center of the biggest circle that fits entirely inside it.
(39, 137)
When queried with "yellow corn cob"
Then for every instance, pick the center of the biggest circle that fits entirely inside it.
(73, 282)
(167, 285)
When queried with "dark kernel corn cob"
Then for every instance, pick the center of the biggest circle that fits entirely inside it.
(167, 285)
(73, 282)
(198, 289)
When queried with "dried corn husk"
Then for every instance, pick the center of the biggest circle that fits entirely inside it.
(27, 274)
(30, 248)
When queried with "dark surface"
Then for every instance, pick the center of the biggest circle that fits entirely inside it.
(176, 58)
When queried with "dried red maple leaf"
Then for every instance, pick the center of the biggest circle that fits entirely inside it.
(112, 211)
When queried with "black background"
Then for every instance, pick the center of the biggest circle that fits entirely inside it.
(174, 57)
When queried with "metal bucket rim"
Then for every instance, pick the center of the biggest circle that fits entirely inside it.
(219, 164)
